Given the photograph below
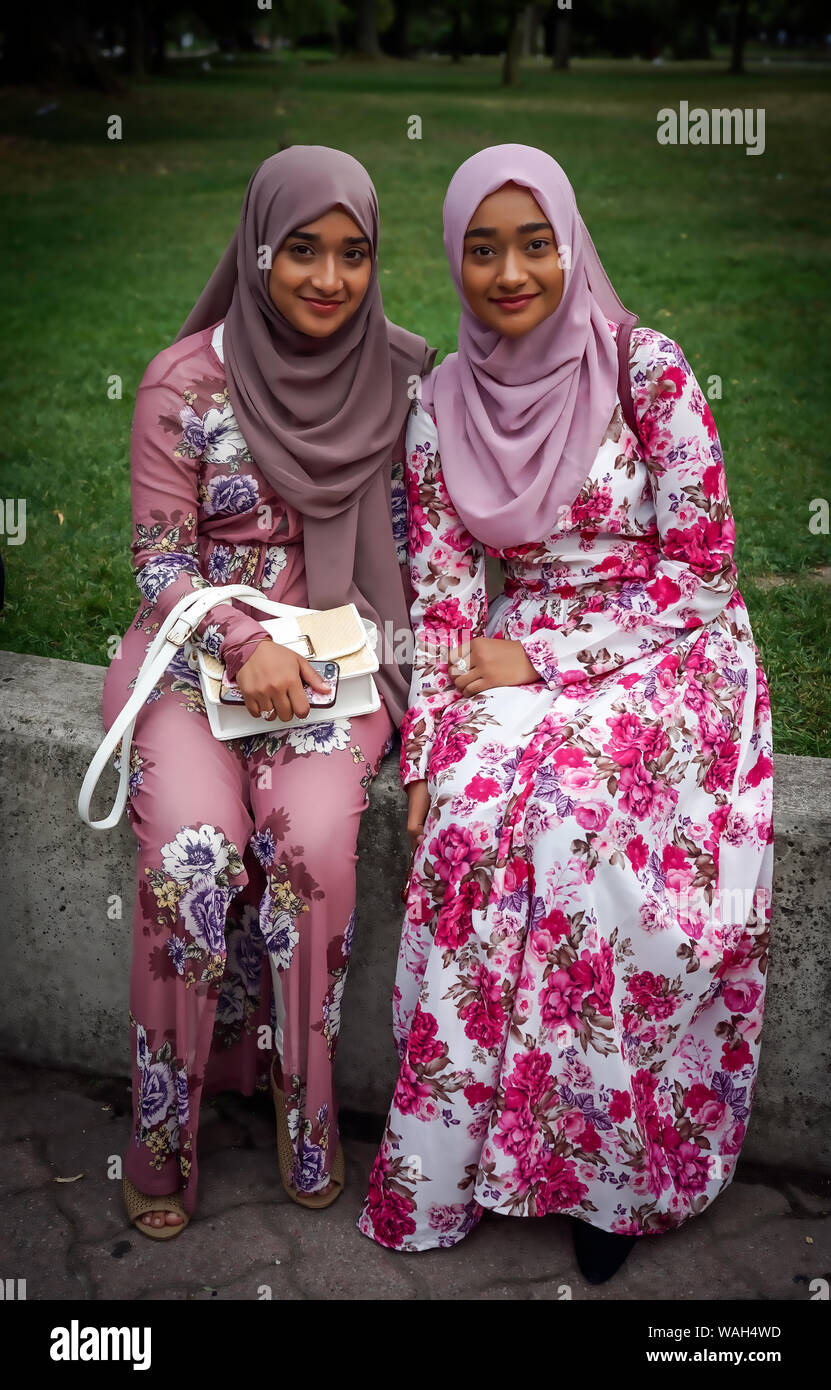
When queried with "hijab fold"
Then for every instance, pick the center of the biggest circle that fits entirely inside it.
(320, 415)
(520, 420)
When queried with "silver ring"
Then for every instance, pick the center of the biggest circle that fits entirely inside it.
(461, 667)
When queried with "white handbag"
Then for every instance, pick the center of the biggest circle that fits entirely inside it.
(333, 634)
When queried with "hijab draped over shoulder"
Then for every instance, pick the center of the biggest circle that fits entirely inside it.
(320, 415)
(520, 420)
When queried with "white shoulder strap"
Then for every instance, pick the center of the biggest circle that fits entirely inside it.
(174, 631)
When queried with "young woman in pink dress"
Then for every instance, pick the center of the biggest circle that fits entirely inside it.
(581, 977)
(263, 452)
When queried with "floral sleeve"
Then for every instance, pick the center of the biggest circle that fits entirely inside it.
(694, 576)
(164, 487)
(447, 570)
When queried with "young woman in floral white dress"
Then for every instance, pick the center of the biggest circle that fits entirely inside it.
(581, 979)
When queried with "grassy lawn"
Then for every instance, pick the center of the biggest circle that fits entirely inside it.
(108, 243)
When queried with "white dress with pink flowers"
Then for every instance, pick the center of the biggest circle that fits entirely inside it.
(581, 978)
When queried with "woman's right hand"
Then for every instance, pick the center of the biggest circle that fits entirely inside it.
(274, 676)
(419, 804)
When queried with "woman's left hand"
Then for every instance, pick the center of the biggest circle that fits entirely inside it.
(491, 661)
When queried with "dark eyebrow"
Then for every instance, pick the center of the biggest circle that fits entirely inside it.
(315, 236)
(526, 227)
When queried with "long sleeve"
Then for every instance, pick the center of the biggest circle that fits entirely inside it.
(694, 576)
(165, 501)
(398, 497)
(447, 571)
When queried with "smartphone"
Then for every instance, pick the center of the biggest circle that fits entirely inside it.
(229, 692)
(329, 671)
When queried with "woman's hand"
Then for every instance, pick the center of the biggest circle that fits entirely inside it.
(273, 677)
(491, 661)
(419, 804)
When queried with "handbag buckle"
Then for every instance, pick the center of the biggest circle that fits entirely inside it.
(175, 634)
(307, 639)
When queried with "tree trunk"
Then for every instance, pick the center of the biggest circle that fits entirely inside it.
(513, 43)
(562, 42)
(136, 52)
(739, 35)
(367, 36)
(399, 42)
(456, 36)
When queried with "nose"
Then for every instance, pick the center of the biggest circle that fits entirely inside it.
(512, 274)
(326, 278)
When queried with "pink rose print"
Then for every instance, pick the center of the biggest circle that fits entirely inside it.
(453, 852)
(482, 788)
(733, 1058)
(742, 996)
(636, 852)
(477, 1094)
(454, 925)
(636, 787)
(389, 1212)
(561, 1188)
(620, 1106)
(422, 1044)
(484, 1016)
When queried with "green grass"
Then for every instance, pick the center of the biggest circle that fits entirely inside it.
(108, 243)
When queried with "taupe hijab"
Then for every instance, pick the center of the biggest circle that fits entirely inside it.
(320, 415)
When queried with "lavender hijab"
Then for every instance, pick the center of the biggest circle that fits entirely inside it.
(520, 420)
(320, 415)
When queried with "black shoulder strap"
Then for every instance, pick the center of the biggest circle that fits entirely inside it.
(624, 380)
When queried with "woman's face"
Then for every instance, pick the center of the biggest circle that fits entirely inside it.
(321, 272)
(511, 272)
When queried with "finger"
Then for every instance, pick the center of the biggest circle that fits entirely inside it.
(282, 704)
(463, 681)
(311, 677)
(477, 686)
(299, 701)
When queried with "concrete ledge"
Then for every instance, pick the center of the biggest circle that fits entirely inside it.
(65, 965)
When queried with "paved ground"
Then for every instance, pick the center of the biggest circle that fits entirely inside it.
(766, 1238)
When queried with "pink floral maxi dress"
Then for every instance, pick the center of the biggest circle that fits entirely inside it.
(581, 977)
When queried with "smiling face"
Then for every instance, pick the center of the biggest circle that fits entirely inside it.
(321, 273)
(511, 272)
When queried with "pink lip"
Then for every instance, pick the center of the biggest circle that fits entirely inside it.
(514, 302)
(322, 306)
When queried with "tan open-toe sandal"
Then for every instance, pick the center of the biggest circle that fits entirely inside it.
(285, 1155)
(137, 1203)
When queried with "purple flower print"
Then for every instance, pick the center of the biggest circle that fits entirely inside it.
(157, 1093)
(193, 431)
(203, 911)
(348, 935)
(176, 949)
(248, 957)
(182, 1099)
(306, 1175)
(262, 843)
(222, 563)
(162, 570)
(279, 934)
(193, 852)
(230, 1007)
(230, 496)
(216, 435)
(142, 1050)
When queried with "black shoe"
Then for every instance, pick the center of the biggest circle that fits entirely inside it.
(599, 1253)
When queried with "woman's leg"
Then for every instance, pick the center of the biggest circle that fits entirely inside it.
(308, 790)
(188, 808)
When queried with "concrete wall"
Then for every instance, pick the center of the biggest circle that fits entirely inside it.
(64, 965)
